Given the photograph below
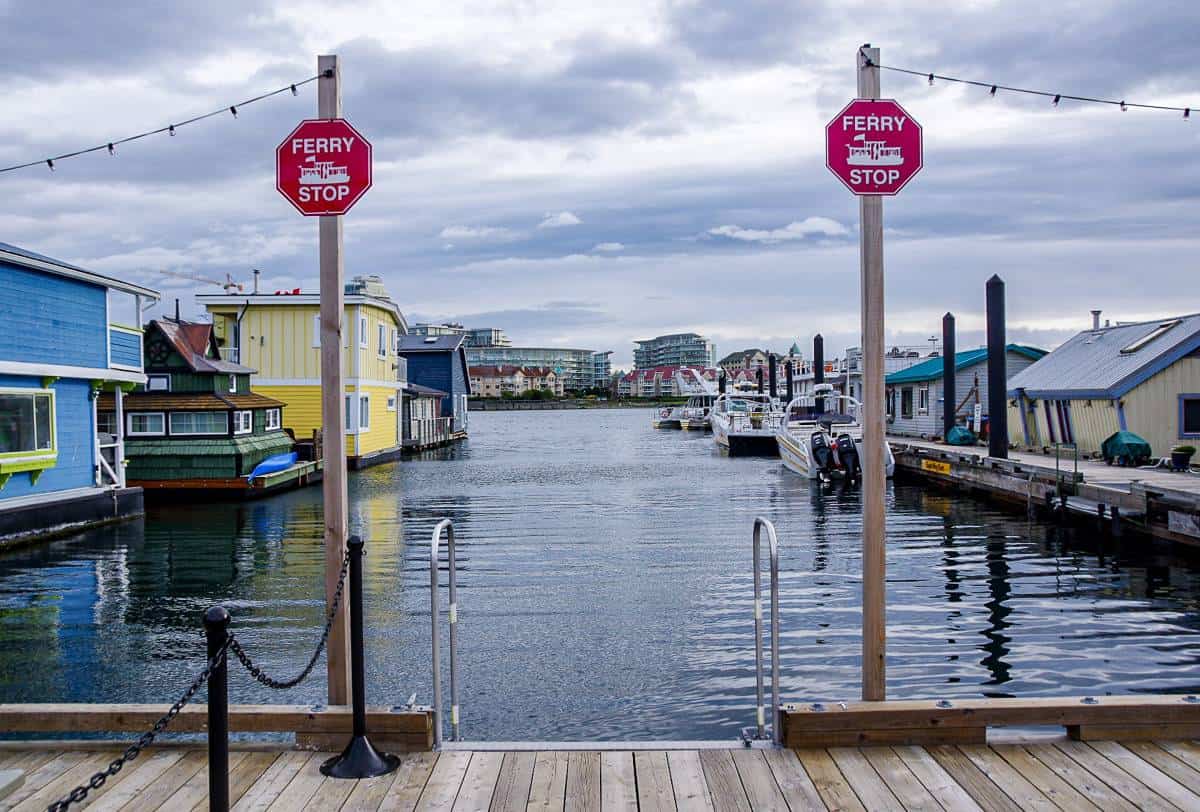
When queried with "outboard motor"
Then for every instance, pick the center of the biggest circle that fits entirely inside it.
(848, 456)
(822, 454)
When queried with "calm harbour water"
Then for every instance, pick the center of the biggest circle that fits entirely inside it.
(605, 590)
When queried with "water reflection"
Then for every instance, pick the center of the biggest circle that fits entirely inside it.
(605, 590)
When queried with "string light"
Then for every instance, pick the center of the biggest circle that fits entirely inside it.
(111, 146)
(993, 87)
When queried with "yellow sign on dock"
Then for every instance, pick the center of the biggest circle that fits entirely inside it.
(936, 467)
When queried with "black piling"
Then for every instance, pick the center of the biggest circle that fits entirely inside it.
(721, 383)
(216, 631)
(997, 372)
(759, 375)
(790, 375)
(818, 370)
(360, 759)
(773, 375)
(949, 393)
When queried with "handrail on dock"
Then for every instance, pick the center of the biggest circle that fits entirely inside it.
(773, 546)
(435, 548)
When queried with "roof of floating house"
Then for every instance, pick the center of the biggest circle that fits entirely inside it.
(1109, 362)
(192, 401)
(34, 260)
(931, 370)
(416, 390)
(420, 343)
(196, 343)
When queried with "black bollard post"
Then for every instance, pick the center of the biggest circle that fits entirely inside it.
(1116, 521)
(818, 371)
(772, 375)
(997, 371)
(949, 395)
(216, 630)
(721, 383)
(759, 375)
(790, 374)
(360, 759)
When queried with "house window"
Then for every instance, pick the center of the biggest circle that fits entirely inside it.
(382, 349)
(243, 422)
(395, 341)
(906, 402)
(184, 423)
(26, 421)
(274, 420)
(233, 384)
(391, 403)
(362, 332)
(146, 424)
(923, 400)
(106, 422)
(316, 336)
(158, 383)
(1189, 415)
(349, 418)
(364, 412)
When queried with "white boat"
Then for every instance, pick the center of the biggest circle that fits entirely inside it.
(826, 445)
(667, 417)
(745, 423)
(694, 415)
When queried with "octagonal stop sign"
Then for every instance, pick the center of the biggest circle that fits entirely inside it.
(873, 146)
(323, 167)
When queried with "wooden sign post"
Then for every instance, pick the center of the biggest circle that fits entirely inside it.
(874, 629)
(333, 421)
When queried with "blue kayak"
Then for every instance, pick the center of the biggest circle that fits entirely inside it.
(274, 464)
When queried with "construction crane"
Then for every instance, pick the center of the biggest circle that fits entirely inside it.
(229, 285)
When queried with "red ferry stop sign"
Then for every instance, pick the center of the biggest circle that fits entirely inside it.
(873, 146)
(323, 167)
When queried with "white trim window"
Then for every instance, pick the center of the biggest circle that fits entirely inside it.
(349, 416)
(28, 421)
(363, 341)
(243, 421)
(391, 403)
(395, 341)
(316, 336)
(185, 424)
(158, 383)
(381, 330)
(273, 420)
(364, 412)
(145, 424)
(923, 399)
(233, 384)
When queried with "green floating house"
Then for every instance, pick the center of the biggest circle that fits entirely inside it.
(196, 424)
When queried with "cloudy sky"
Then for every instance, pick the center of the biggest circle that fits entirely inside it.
(588, 174)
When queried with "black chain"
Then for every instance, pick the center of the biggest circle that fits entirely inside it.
(257, 672)
(98, 780)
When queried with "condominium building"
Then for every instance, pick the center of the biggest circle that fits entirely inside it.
(676, 349)
(495, 381)
(576, 369)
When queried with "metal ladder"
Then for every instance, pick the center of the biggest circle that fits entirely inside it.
(764, 731)
(435, 548)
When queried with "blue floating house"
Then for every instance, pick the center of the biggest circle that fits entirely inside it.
(439, 364)
(66, 335)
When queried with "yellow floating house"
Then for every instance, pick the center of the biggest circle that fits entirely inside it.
(280, 335)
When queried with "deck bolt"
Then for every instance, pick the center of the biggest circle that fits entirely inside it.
(318, 708)
(1191, 699)
(817, 706)
(1090, 700)
(945, 703)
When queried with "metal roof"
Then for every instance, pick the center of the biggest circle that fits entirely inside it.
(40, 262)
(419, 343)
(931, 370)
(1092, 364)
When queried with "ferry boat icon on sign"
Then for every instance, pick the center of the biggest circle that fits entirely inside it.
(872, 153)
(322, 172)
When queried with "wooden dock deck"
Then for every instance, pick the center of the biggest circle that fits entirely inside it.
(1061, 774)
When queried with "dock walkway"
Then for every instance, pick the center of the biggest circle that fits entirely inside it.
(1069, 775)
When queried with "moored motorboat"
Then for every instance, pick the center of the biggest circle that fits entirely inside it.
(825, 444)
(745, 424)
(667, 417)
(694, 415)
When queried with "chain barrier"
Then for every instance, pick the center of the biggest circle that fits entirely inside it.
(98, 780)
(256, 670)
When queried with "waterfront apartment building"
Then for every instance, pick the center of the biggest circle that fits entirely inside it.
(280, 336)
(494, 381)
(577, 370)
(660, 382)
(676, 349)
(475, 336)
(741, 360)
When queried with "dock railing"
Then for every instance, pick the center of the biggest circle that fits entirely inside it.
(762, 728)
(444, 527)
(429, 431)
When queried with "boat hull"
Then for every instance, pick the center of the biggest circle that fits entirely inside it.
(751, 445)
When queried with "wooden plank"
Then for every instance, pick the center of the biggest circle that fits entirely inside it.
(1149, 775)
(1008, 779)
(1187, 751)
(867, 784)
(43, 775)
(1181, 771)
(973, 780)
(134, 777)
(512, 786)
(444, 781)
(1047, 782)
(155, 794)
(583, 781)
(272, 782)
(685, 788)
(479, 782)
(77, 718)
(28, 761)
(941, 784)
(797, 788)
(195, 790)
(907, 788)
(885, 737)
(368, 793)
(618, 782)
(405, 791)
(303, 785)
(61, 785)
(549, 788)
(1130, 732)
(1131, 789)
(758, 780)
(331, 794)
(724, 784)
(831, 785)
(244, 775)
(1079, 779)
